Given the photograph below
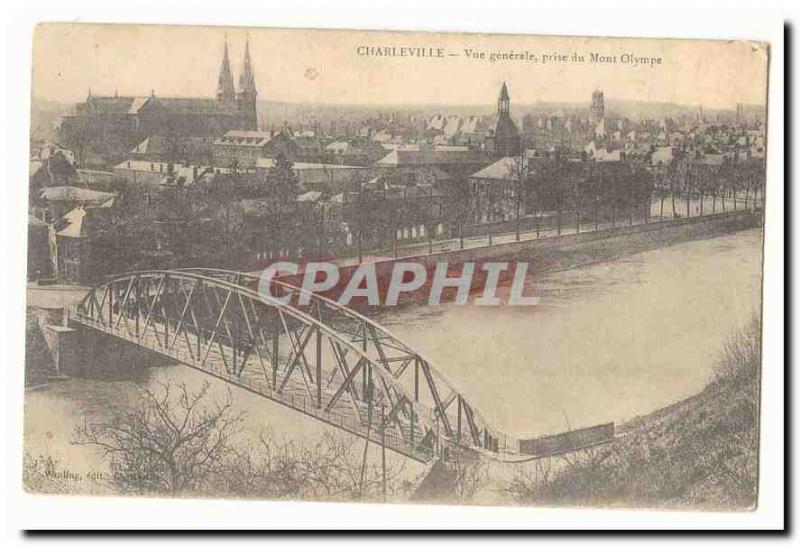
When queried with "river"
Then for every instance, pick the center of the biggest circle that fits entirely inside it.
(608, 342)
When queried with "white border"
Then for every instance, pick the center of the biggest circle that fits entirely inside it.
(678, 19)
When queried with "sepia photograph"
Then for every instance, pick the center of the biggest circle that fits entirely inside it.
(395, 267)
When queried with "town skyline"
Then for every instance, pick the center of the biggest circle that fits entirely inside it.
(91, 63)
(576, 104)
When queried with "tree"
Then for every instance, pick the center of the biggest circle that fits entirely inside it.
(175, 148)
(558, 191)
(282, 179)
(169, 442)
(329, 469)
(280, 186)
(574, 193)
(518, 172)
(228, 226)
(76, 135)
(470, 472)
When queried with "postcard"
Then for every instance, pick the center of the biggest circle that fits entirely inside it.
(399, 267)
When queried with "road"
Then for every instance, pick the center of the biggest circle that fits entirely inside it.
(567, 228)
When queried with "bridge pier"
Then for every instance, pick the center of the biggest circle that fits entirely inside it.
(78, 351)
(438, 484)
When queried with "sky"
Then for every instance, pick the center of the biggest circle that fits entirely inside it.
(304, 65)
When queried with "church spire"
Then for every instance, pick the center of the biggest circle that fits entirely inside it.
(225, 90)
(504, 102)
(247, 81)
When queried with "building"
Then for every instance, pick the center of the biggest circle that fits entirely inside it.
(186, 149)
(495, 192)
(103, 129)
(242, 148)
(54, 170)
(362, 153)
(324, 177)
(54, 201)
(504, 140)
(70, 247)
(39, 265)
(71, 239)
(430, 166)
(598, 105)
(164, 174)
(662, 156)
(739, 113)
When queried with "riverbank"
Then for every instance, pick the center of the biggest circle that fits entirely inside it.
(608, 245)
(549, 253)
(699, 453)
(566, 250)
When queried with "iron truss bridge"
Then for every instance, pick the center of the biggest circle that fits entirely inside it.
(310, 354)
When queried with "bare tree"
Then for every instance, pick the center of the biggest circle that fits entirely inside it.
(169, 442)
(175, 441)
(329, 469)
(531, 485)
(518, 173)
(471, 475)
(569, 477)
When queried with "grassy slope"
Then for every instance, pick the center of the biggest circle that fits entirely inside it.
(701, 453)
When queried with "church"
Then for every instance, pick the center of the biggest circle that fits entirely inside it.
(107, 127)
(505, 139)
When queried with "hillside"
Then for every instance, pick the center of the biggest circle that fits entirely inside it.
(701, 453)
(45, 116)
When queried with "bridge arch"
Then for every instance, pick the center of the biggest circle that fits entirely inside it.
(325, 360)
(494, 441)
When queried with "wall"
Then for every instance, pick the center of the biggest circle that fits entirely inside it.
(689, 227)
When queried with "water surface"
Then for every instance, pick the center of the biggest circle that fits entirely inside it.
(608, 342)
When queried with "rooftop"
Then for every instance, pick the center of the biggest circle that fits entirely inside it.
(71, 193)
(502, 169)
(268, 162)
(72, 222)
(405, 158)
(244, 138)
